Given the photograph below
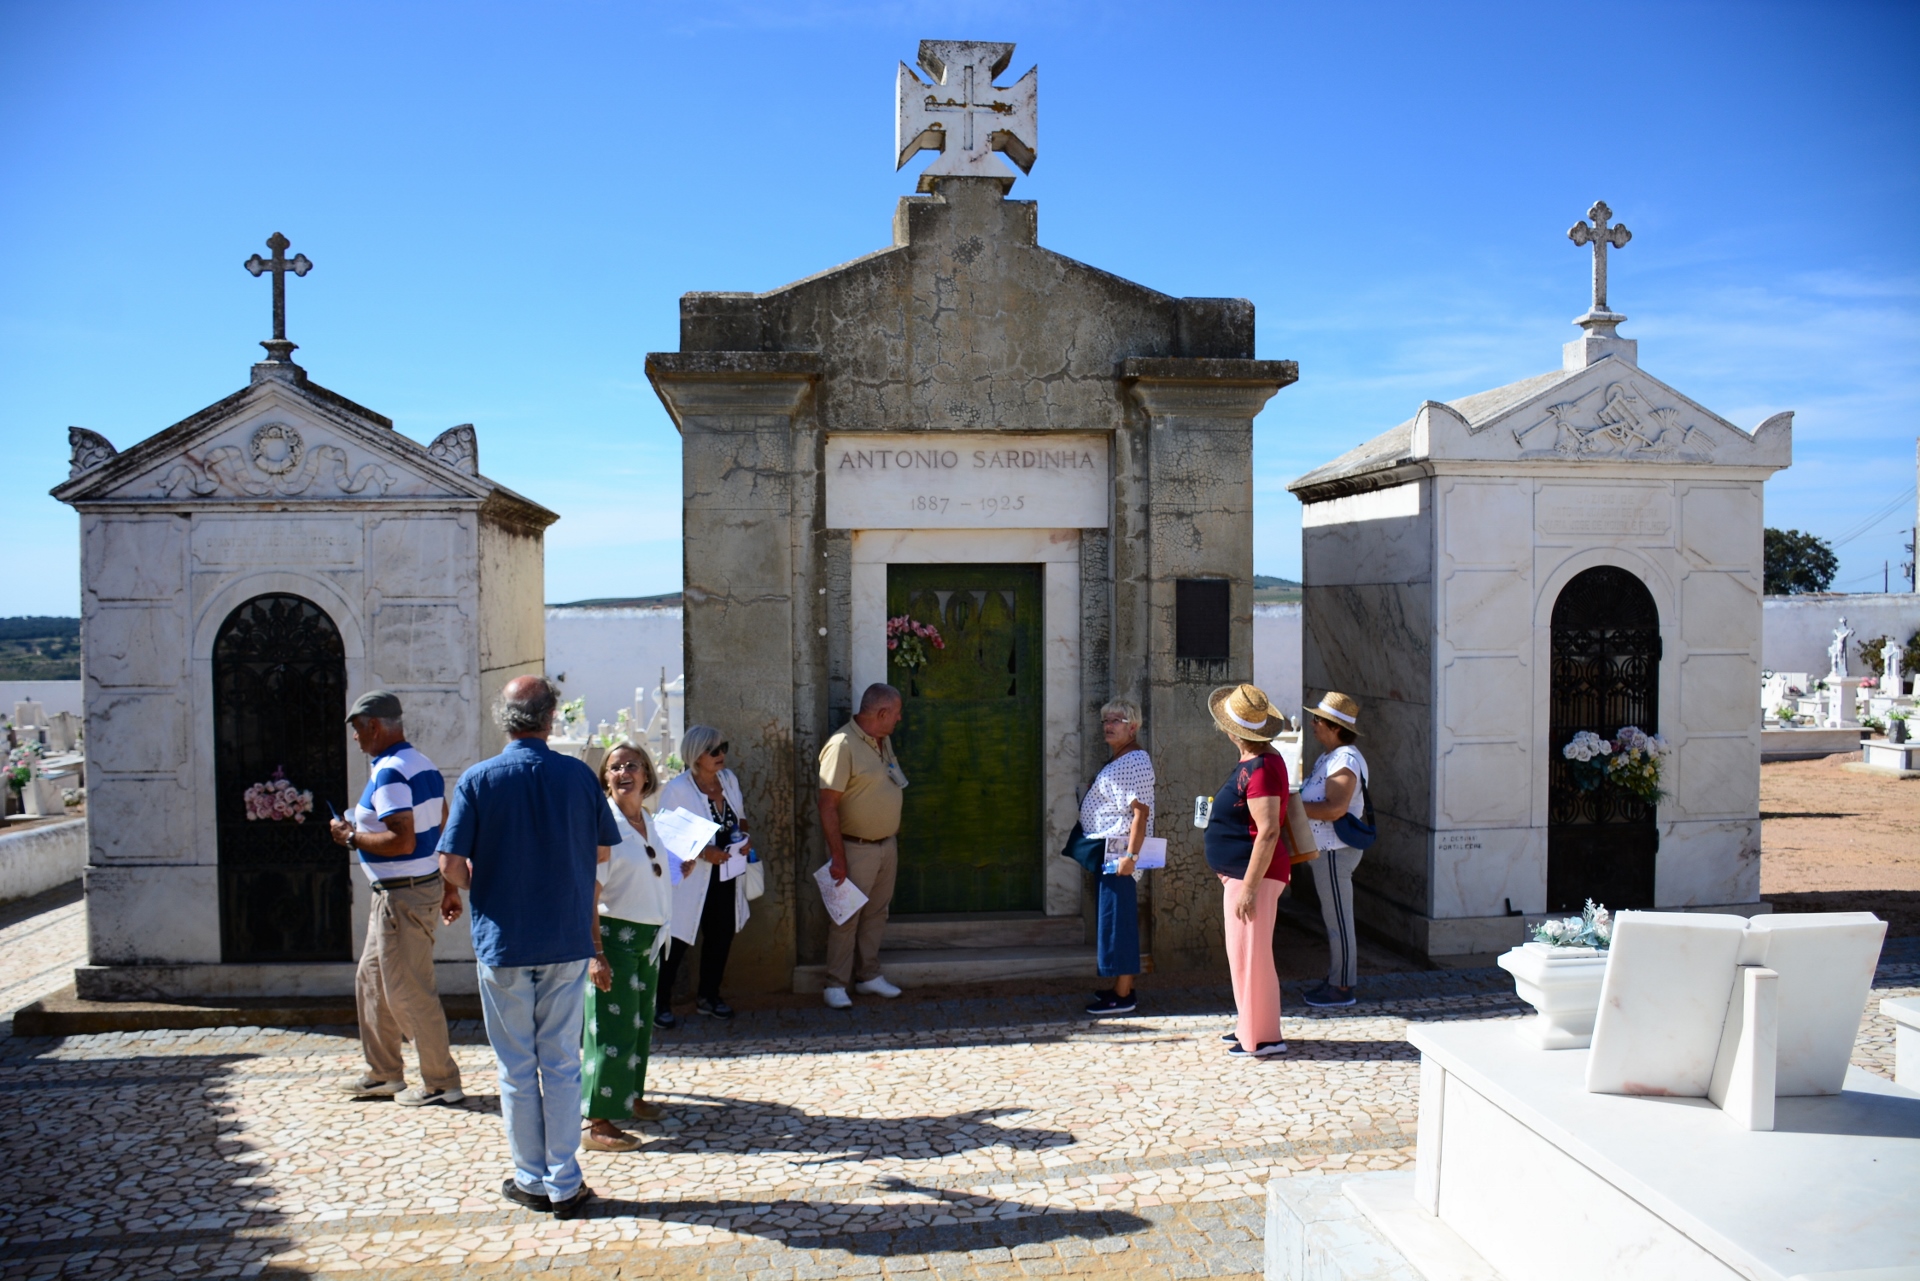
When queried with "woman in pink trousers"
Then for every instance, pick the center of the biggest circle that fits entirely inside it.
(1245, 847)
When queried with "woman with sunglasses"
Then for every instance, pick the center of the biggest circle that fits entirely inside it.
(635, 893)
(708, 901)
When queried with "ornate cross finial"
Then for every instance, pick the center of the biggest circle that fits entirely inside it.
(1599, 235)
(278, 348)
(964, 115)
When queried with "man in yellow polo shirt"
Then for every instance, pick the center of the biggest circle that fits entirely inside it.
(860, 786)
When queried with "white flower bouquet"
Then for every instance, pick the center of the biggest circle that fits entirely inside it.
(1592, 928)
(1631, 761)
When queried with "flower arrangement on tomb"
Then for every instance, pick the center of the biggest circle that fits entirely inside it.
(22, 762)
(570, 713)
(1592, 928)
(1630, 760)
(277, 800)
(909, 641)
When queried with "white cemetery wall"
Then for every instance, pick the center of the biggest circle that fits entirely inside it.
(1798, 629)
(1276, 654)
(604, 653)
(513, 618)
(53, 696)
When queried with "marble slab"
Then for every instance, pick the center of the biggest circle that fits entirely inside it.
(1825, 962)
(1530, 1166)
(1663, 1003)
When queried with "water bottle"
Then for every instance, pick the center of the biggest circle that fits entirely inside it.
(1202, 810)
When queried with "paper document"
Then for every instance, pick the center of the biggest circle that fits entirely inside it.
(736, 860)
(684, 833)
(1153, 853)
(842, 899)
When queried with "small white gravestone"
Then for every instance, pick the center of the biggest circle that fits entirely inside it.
(63, 732)
(1893, 682)
(29, 715)
(1663, 1002)
(1825, 962)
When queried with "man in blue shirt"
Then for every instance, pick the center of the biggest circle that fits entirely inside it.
(523, 836)
(394, 829)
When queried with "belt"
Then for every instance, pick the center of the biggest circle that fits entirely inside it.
(861, 840)
(406, 882)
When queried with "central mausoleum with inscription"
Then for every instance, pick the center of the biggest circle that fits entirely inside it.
(1050, 464)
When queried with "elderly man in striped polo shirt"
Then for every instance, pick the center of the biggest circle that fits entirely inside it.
(395, 829)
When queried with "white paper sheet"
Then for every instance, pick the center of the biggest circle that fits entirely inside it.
(736, 860)
(1153, 853)
(684, 833)
(842, 899)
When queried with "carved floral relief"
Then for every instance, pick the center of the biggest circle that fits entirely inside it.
(275, 463)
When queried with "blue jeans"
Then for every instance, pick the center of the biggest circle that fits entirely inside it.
(1117, 950)
(533, 1018)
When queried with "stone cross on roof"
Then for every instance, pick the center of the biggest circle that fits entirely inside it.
(1599, 235)
(278, 348)
(964, 116)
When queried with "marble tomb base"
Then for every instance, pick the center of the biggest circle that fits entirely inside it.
(1522, 1173)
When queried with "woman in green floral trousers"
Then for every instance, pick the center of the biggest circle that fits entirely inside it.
(635, 900)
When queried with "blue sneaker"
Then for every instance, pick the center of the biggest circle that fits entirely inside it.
(1328, 997)
(1112, 1003)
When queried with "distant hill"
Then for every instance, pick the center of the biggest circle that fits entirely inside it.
(39, 649)
(1268, 590)
(619, 602)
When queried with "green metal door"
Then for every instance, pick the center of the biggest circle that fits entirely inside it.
(970, 832)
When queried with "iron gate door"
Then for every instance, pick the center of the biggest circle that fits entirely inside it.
(280, 703)
(1601, 844)
(969, 744)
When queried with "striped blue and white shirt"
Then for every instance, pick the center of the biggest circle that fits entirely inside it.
(402, 778)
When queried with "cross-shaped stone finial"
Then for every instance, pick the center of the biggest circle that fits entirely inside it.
(964, 116)
(1599, 235)
(278, 348)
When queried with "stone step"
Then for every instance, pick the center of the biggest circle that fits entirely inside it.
(1009, 929)
(954, 967)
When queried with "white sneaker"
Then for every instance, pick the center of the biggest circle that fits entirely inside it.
(877, 986)
(837, 998)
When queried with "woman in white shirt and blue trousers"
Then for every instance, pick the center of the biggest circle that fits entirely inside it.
(1335, 790)
(1119, 807)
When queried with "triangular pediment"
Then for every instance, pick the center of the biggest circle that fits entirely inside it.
(1611, 411)
(281, 440)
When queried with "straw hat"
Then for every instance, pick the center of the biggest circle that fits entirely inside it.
(1338, 711)
(1244, 712)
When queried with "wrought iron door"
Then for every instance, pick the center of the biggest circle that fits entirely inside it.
(969, 743)
(1601, 844)
(280, 703)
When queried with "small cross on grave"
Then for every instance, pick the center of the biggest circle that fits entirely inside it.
(1599, 235)
(278, 348)
(964, 116)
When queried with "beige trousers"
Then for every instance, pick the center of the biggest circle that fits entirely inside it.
(853, 947)
(394, 988)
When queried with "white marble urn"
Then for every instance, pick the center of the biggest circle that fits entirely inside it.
(1563, 983)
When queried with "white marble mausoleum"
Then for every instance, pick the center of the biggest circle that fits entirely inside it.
(244, 574)
(1577, 550)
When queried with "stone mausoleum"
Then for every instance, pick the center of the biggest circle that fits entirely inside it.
(244, 573)
(1048, 463)
(1580, 550)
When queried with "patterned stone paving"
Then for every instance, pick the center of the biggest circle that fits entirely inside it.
(971, 1138)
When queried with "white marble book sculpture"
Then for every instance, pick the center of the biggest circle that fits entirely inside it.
(1736, 1011)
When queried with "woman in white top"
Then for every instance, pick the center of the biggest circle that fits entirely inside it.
(1119, 807)
(1333, 789)
(635, 897)
(712, 900)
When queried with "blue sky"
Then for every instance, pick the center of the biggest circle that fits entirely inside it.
(504, 202)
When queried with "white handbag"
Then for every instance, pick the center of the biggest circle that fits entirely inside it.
(753, 881)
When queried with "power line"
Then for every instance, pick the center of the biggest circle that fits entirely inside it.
(1879, 515)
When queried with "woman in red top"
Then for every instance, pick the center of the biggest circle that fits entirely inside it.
(1246, 848)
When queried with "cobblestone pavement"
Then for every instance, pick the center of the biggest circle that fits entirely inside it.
(930, 1139)
(41, 939)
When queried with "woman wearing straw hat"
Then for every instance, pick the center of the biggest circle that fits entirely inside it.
(1246, 849)
(1334, 789)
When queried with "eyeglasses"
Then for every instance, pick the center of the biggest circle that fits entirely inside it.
(1115, 720)
(720, 750)
(626, 767)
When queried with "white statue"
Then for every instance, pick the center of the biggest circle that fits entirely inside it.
(1894, 681)
(1837, 652)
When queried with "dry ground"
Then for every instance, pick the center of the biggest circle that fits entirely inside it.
(1837, 840)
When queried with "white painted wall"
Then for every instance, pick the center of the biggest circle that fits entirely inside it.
(42, 857)
(1796, 630)
(1276, 655)
(605, 653)
(54, 696)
